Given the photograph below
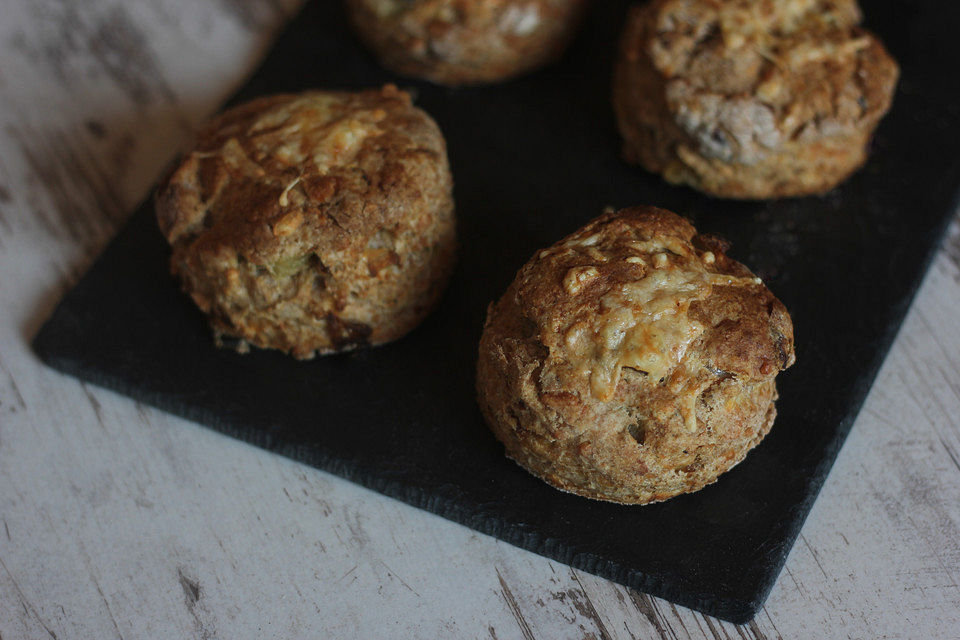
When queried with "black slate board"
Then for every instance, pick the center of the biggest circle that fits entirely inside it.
(533, 160)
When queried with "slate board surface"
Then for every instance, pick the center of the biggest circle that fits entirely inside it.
(534, 159)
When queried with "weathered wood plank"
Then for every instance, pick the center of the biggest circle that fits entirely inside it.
(117, 521)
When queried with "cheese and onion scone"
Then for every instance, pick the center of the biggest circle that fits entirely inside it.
(633, 360)
(314, 222)
(750, 98)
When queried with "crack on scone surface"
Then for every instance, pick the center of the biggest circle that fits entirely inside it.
(638, 432)
(347, 333)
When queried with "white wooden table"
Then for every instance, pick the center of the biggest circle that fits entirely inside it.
(118, 521)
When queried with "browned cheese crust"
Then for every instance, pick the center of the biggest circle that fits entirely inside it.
(457, 42)
(314, 222)
(750, 98)
(633, 360)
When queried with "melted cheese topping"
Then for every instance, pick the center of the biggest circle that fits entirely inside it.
(520, 19)
(749, 22)
(311, 134)
(644, 324)
(341, 143)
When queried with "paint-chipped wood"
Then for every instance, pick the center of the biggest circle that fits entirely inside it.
(122, 522)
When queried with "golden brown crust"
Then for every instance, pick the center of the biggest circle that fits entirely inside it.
(313, 222)
(750, 99)
(456, 42)
(633, 360)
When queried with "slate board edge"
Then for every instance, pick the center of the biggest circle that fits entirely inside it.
(865, 382)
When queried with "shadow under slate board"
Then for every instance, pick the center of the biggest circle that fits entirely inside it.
(533, 160)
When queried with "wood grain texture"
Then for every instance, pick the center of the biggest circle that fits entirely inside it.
(117, 521)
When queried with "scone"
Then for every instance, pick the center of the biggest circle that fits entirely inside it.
(456, 42)
(750, 98)
(314, 222)
(633, 360)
